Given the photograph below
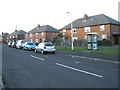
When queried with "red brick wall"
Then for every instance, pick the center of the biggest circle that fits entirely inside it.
(47, 36)
(80, 32)
(50, 36)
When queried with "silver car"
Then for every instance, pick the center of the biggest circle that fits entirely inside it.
(45, 47)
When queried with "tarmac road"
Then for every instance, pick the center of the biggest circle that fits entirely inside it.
(27, 69)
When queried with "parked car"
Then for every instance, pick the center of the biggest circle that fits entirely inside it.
(29, 46)
(45, 47)
(9, 43)
(13, 44)
(20, 43)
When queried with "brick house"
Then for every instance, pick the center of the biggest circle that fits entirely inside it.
(16, 35)
(4, 37)
(105, 27)
(42, 33)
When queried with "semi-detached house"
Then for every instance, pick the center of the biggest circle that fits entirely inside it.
(105, 27)
(42, 33)
(16, 35)
(3, 37)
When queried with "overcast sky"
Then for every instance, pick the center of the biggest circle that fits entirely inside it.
(27, 14)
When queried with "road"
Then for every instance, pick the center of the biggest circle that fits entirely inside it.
(27, 69)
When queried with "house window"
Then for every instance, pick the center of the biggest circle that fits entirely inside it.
(64, 31)
(43, 40)
(85, 37)
(74, 38)
(36, 40)
(42, 33)
(16, 36)
(31, 40)
(101, 28)
(104, 37)
(10, 36)
(30, 35)
(36, 34)
(26, 35)
(86, 29)
(74, 31)
(13, 36)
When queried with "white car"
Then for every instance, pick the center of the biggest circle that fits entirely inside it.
(45, 47)
(20, 44)
(9, 43)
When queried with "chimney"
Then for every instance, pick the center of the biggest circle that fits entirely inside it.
(38, 26)
(85, 16)
(15, 30)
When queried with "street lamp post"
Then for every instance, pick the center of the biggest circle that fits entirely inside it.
(71, 30)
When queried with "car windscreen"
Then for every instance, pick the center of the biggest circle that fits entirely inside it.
(48, 44)
(23, 41)
(30, 43)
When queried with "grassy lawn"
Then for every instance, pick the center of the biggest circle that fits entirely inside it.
(101, 50)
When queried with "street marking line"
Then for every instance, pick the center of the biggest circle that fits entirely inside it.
(37, 57)
(93, 74)
(77, 62)
(96, 59)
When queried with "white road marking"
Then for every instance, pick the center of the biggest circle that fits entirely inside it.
(37, 57)
(96, 59)
(93, 74)
(77, 62)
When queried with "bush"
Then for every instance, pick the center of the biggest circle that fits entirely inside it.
(104, 43)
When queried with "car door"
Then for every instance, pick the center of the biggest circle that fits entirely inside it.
(38, 47)
(25, 45)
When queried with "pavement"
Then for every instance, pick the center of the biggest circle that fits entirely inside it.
(1, 82)
(108, 58)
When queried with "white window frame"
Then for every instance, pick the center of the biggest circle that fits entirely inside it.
(86, 29)
(74, 31)
(26, 35)
(36, 34)
(36, 40)
(101, 27)
(104, 36)
(42, 33)
(31, 35)
(64, 31)
(75, 38)
(85, 37)
(31, 40)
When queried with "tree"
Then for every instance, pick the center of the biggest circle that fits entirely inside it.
(58, 39)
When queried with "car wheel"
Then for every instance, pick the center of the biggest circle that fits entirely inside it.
(27, 48)
(53, 52)
(16, 47)
(42, 51)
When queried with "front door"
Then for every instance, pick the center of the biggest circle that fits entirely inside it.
(116, 40)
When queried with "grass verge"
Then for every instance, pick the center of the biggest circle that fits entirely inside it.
(114, 51)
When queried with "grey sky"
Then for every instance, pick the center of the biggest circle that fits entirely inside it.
(27, 14)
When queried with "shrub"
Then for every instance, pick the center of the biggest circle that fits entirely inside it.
(104, 43)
